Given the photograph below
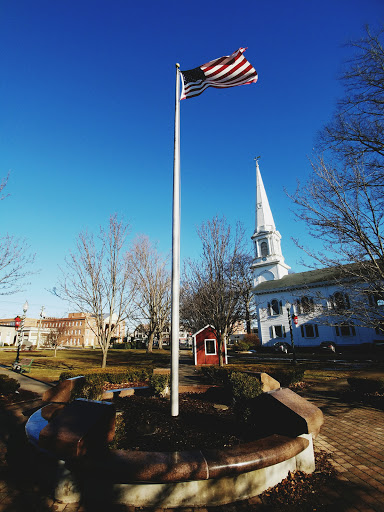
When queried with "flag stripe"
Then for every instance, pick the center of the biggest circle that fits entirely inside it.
(223, 72)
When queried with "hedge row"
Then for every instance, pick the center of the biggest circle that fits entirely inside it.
(221, 375)
(113, 375)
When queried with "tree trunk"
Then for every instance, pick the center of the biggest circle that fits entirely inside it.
(104, 360)
(220, 339)
(150, 342)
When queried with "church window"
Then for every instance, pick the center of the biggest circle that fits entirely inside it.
(305, 305)
(345, 329)
(275, 307)
(309, 331)
(376, 299)
(278, 331)
(340, 301)
(264, 249)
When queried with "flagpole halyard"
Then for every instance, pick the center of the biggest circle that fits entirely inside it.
(175, 315)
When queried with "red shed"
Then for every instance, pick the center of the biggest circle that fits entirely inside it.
(206, 347)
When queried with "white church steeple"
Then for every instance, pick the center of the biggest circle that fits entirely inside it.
(268, 263)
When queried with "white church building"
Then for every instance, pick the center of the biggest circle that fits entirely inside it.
(312, 302)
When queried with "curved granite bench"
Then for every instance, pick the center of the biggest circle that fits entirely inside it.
(175, 479)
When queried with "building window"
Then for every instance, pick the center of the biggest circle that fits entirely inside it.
(278, 331)
(376, 299)
(210, 347)
(309, 331)
(380, 329)
(264, 249)
(305, 305)
(345, 329)
(340, 301)
(275, 307)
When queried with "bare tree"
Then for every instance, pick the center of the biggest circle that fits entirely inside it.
(247, 298)
(214, 288)
(15, 258)
(3, 184)
(356, 130)
(96, 280)
(342, 201)
(151, 280)
(55, 337)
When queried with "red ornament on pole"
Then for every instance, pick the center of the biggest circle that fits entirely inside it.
(295, 319)
(17, 322)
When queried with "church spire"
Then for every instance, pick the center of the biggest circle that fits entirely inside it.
(268, 263)
(264, 217)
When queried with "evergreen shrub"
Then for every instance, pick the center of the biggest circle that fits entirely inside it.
(88, 388)
(241, 345)
(159, 384)
(216, 374)
(288, 377)
(124, 346)
(244, 389)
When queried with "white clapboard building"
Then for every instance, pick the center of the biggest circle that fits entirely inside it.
(313, 300)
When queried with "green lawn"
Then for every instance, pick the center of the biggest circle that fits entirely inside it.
(317, 372)
(48, 368)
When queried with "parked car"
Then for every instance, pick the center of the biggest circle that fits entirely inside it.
(282, 346)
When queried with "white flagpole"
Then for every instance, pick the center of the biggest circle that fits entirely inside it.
(175, 316)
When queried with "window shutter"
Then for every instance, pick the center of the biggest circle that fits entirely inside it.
(269, 309)
(302, 330)
(271, 332)
(316, 331)
(281, 307)
(353, 330)
(337, 330)
(284, 333)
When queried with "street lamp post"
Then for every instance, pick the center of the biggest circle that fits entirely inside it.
(42, 315)
(20, 336)
(294, 360)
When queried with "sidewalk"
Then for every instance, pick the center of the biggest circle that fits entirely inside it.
(26, 382)
(352, 434)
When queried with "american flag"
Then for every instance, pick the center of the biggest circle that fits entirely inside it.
(227, 71)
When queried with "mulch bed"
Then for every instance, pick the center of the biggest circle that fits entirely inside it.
(145, 423)
(302, 491)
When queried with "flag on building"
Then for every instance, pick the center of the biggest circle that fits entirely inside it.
(227, 71)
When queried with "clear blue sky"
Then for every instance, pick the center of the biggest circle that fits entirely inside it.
(87, 111)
